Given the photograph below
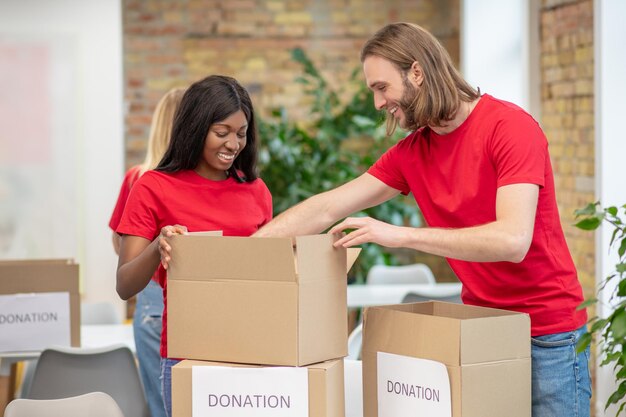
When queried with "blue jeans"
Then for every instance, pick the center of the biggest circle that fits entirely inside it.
(561, 385)
(147, 324)
(166, 382)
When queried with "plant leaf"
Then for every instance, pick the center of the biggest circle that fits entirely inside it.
(622, 248)
(588, 210)
(587, 303)
(618, 324)
(617, 395)
(590, 223)
(583, 342)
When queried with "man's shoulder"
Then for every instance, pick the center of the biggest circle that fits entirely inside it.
(413, 137)
(502, 108)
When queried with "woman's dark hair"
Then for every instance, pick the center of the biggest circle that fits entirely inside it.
(206, 102)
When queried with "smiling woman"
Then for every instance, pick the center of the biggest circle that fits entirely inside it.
(223, 143)
(207, 180)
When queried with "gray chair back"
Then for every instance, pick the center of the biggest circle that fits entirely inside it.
(66, 372)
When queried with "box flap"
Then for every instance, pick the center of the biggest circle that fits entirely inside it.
(317, 257)
(351, 255)
(472, 334)
(397, 329)
(487, 334)
(206, 233)
(495, 338)
(50, 275)
(202, 258)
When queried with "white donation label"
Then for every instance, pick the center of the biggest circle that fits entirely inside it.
(218, 391)
(412, 387)
(31, 322)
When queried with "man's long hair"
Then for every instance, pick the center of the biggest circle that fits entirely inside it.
(443, 90)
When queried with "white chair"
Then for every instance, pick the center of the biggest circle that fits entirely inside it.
(102, 312)
(403, 274)
(355, 341)
(353, 387)
(93, 404)
(415, 297)
(64, 372)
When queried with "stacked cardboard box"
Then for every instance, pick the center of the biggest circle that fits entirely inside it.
(486, 352)
(260, 302)
(39, 304)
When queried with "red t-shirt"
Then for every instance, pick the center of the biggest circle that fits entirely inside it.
(129, 179)
(160, 199)
(454, 179)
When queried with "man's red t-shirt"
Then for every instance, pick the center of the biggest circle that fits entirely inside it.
(161, 199)
(454, 179)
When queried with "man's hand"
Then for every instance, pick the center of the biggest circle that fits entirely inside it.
(366, 229)
(164, 246)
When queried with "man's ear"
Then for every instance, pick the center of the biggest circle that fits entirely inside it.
(416, 73)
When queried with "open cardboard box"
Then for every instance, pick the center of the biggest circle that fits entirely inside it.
(257, 300)
(486, 352)
(40, 276)
(326, 393)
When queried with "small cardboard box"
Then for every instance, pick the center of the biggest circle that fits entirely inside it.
(253, 300)
(325, 380)
(19, 278)
(486, 352)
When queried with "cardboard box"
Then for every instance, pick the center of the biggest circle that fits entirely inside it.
(326, 391)
(40, 276)
(253, 300)
(486, 352)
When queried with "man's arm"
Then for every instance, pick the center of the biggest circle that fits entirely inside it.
(317, 213)
(508, 238)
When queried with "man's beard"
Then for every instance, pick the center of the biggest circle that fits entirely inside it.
(407, 104)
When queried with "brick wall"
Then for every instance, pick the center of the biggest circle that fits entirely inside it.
(567, 118)
(171, 43)
(567, 70)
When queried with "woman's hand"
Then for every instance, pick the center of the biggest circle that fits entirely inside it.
(164, 247)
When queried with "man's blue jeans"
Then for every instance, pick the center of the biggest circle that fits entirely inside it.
(166, 381)
(561, 385)
(147, 325)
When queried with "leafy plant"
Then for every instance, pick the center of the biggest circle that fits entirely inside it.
(612, 329)
(337, 144)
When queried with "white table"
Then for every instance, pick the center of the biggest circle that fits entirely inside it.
(91, 336)
(371, 295)
(100, 335)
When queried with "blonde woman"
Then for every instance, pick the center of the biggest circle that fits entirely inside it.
(147, 320)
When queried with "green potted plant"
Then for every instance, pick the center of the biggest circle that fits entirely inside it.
(610, 332)
(337, 143)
